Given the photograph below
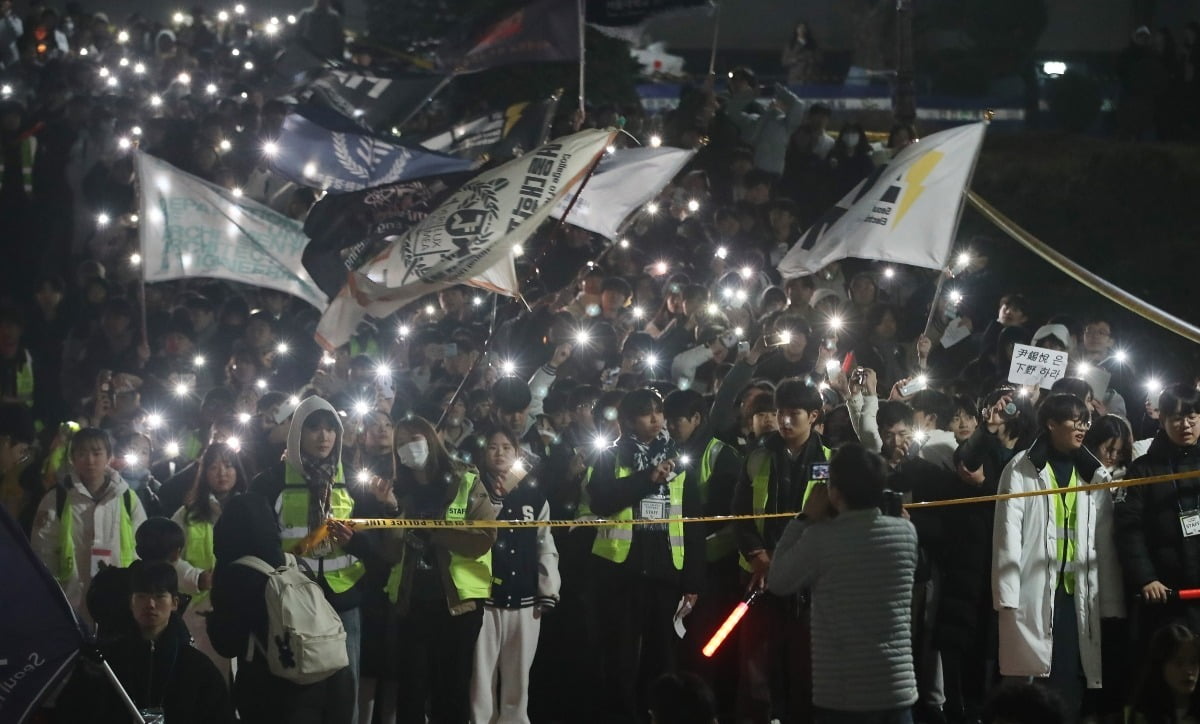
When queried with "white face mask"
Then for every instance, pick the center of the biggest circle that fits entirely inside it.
(414, 454)
(850, 140)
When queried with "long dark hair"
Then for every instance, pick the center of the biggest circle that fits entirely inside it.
(1106, 428)
(1153, 698)
(198, 501)
(439, 466)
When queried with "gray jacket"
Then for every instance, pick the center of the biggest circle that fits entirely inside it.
(859, 569)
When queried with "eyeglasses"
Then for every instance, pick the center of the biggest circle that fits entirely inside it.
(1183, 420)
(1094, 332)
(1082, 425)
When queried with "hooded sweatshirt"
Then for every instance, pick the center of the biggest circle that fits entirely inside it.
(320, 475)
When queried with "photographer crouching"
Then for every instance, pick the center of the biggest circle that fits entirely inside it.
(858, 565)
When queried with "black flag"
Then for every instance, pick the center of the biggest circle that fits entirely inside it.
(374, 102)
(349, 229)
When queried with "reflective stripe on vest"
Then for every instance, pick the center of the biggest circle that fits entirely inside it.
(614, 541)
(339, 569)
(760, 485)
(472, 576)
(66, 528)
(1064, 528)
(198, 550)
(28, 152)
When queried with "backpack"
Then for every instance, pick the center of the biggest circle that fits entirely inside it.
(305, 639)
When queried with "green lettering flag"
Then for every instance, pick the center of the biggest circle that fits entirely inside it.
(192, 228)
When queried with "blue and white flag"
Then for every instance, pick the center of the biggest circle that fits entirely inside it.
(39, 634)
(308, 153)
(191, 228)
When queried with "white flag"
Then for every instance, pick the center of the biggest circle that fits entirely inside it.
(192, 228)
(905, 212)
(469, 239)
(625, 180)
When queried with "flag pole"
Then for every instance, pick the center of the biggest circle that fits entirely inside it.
(582, 53)
(712, 58)
(421, 106)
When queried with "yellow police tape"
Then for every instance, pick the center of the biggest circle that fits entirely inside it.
(383, 523)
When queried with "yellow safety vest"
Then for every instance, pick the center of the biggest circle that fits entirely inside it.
(614, 541)
(28, 153)
(1064, 527)
(25, 382)
(198, 549)
(66, 530)
(719, 543)
(472, 577)
(371, 348)
(760, 484)
(340, 569)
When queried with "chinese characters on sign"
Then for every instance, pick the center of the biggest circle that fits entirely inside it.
(1037, 366)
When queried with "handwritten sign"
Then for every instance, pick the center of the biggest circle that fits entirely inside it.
(1037, 366)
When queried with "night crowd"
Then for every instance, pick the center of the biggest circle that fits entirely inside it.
(168, 446)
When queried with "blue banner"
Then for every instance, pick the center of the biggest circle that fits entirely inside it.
(39, 636)
(309, 154)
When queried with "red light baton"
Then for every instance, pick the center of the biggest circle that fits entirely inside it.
(735, 618)
(1184, 594)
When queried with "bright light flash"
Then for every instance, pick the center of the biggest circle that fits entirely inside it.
(889, 273)
(198, 361)
(245, 418)
(182, 389)
(171, 449)
(132, 459)
(655, 141)
(261, 384)
(361, 408)
(652, 208)
(135, 259)
(154, 421)
(693, 205)
(363, 476)
(722, 252)
(383, 371)
(282, 348)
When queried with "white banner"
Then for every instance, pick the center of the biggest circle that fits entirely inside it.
(610, 197)
(192, 228)
(469, 239)
(1037, 366)
(905, 212)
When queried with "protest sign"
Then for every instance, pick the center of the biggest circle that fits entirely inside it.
(1037, 366)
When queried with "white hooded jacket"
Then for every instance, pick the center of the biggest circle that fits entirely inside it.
(96, 526)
